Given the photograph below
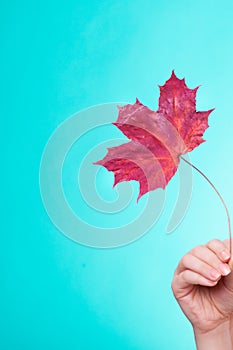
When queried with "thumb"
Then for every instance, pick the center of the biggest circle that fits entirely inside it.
(229, 245)
(228, 280)
(230, 263)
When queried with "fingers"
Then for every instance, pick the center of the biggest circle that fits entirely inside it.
(189, 277)
(195, 264)
(210, 263)
(221, 249)
(203, 265)
(227, 244)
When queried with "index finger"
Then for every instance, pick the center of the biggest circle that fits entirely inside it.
(220, 248)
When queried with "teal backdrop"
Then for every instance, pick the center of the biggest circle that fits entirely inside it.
(57, 58)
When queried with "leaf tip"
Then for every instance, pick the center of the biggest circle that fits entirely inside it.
(139, 196)
(160, 87)
(173, 73)
(210, 111)
(98, 162)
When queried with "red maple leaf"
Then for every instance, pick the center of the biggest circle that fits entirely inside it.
(158, 138)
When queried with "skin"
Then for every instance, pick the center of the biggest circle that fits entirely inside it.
(203, 287)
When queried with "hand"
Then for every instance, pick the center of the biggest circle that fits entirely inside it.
(203, 287)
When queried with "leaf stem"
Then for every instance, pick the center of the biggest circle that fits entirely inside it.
(219, 195)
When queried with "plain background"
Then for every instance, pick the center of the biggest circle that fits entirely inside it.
(57, 58)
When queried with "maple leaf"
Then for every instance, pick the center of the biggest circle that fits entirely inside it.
(158, 138)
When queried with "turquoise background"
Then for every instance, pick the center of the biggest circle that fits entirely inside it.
(57, 58)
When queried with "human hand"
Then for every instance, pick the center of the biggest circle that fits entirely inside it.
(203, 287)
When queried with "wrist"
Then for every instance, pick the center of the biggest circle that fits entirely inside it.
(217, 338)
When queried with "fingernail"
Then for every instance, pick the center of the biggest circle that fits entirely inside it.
(225, 269)
(215, 274)
(225, 255)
